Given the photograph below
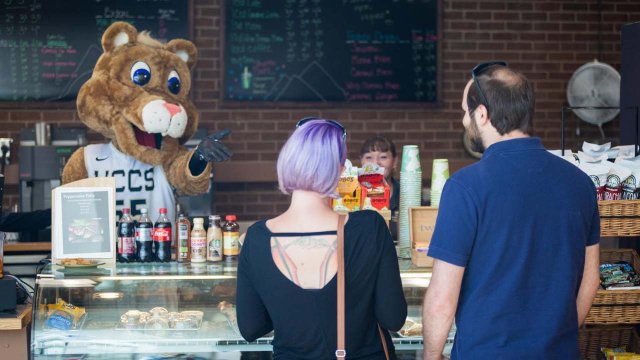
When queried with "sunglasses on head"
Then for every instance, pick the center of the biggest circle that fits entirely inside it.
(477, 71)
(332, 122)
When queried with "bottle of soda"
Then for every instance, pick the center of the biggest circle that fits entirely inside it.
(144, 237)
(198, 241)
(214, 239)
(183, 248)
(230, 237)
(162, 236)
(126, 237)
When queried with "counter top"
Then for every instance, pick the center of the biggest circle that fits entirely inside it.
(175, 270)
(20, 321)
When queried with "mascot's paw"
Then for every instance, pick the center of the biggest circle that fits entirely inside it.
(211, 149)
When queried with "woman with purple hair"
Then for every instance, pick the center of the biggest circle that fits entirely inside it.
(287, 267)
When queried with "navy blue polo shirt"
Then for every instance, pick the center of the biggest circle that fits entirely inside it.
(518, 221)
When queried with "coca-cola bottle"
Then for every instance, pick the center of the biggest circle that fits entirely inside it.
(144, 237)
(162, 236)
(126, 238)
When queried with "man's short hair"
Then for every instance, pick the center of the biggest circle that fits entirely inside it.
(511, 100)
(312, 159)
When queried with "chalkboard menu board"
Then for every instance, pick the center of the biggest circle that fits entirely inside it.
(331, 50)
(48, 48)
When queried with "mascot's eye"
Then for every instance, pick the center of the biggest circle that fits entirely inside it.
(140, 73)
(174, 82)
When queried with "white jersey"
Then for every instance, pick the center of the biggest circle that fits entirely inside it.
(138, 184)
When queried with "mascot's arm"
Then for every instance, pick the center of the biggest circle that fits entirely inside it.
(75, 169)
(185, 182)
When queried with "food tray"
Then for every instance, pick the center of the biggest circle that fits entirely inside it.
(619, 217)
(616, 306)
(121, 327)
(592, 339)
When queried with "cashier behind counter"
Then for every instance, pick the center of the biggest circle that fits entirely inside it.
(27, 223)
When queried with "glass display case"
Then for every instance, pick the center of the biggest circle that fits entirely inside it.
(162, 310)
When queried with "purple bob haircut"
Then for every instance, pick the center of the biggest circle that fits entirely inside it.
(312, 158)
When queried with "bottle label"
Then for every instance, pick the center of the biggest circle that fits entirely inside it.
(144, 234)
(231, 243)
(198, 247)
(126, 245)
(183, 232)
(162, 234)
(214, 252)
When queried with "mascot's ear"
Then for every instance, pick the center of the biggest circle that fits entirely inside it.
(185, 49)
(118, 34)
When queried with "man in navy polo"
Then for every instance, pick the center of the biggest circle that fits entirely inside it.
(516, 240)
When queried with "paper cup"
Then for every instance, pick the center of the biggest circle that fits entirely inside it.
(439, 174)
(410, 159)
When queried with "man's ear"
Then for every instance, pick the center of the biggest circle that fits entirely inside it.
(482, 115)
(185, 49)
(118, 34)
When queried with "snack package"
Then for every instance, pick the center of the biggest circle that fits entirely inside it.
(632, 183)
(595, 149)
(349, 191)
(616, 176)
(625, 356)
(375, 191)
(624, 151)
(593, 159)
(63, 315)
(598, 174)
(606, 352)
(619, 275)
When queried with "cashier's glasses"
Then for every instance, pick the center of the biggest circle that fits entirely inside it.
(477, 71)
(332, 122)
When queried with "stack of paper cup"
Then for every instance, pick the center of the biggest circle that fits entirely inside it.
(410, 195)
(439, 176)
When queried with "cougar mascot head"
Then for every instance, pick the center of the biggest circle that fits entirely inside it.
(137, 97)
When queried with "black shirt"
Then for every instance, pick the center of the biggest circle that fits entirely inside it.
(304, 320)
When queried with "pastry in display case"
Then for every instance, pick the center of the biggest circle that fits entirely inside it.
(165, 310)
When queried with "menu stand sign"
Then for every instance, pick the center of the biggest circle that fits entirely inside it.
(83, 222)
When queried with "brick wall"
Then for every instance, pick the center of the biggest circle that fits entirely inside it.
(547, 40)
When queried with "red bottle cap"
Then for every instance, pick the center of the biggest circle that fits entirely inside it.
(126, 210)
(163, 210)
(230, 218)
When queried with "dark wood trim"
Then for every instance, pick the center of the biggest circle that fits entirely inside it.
(27, 246)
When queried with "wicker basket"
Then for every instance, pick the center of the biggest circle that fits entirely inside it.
(592, 339)
(619, 217)
(617, 306)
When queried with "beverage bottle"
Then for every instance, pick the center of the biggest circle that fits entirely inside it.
(162, 237)
(118, 246)
(230, 236)
(144, 237)
(183, 244)
(126, 237)
(214, 239)
(198, 241)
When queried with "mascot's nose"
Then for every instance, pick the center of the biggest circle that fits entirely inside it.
(173, 109)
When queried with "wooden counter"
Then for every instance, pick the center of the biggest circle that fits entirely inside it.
(20, 321)
(27, 246)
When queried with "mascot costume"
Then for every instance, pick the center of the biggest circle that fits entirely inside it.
(137, 97)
